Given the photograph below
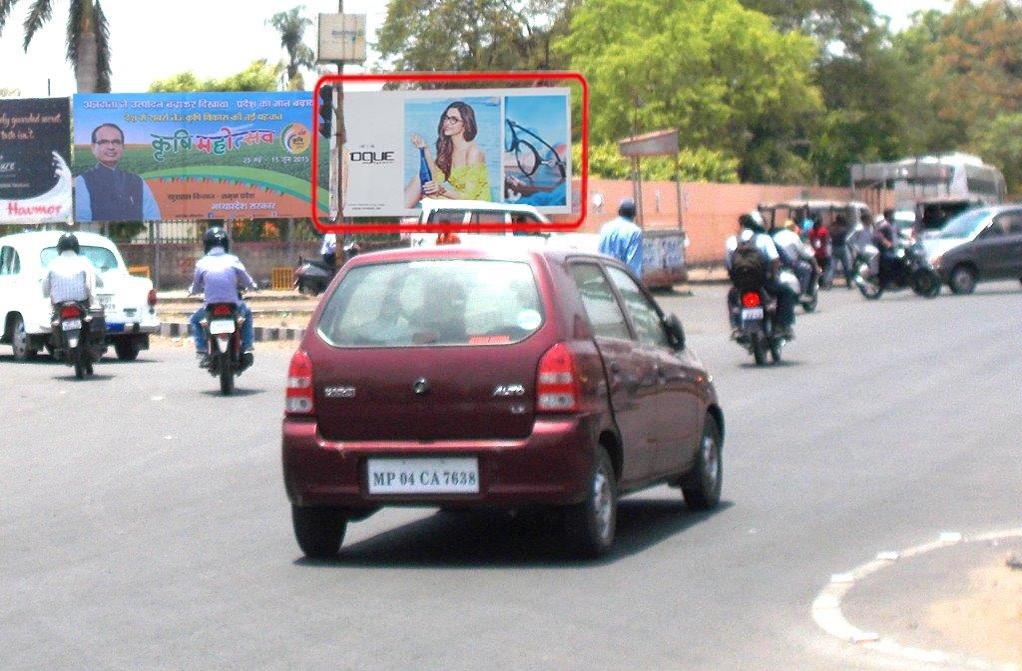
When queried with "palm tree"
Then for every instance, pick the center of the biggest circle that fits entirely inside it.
(88, 39)
(291, 25)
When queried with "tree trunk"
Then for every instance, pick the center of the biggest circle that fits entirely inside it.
(86, 74)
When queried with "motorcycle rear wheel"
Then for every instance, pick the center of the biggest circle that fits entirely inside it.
(759, 348)
(226, 375)
(79, 363)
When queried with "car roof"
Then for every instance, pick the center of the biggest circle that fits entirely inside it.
(40, 239)
(476, 206)
(469, 251)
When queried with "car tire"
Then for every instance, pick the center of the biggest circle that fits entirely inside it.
(591, 524)
(20, 341)
(319, 531)
(701, 485)
(962, 280)
(126, 350)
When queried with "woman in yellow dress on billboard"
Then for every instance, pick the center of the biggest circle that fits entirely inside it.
(459, 170)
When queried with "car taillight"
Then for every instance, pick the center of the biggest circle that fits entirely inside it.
(557, 381)
(70, 312)
(221, 310)
(299, 398)
(750, 299)
(151, 299)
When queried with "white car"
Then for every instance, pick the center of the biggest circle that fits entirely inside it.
(129, 302)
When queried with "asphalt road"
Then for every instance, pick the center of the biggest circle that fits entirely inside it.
(143, 521)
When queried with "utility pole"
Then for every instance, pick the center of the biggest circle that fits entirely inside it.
(339, 135)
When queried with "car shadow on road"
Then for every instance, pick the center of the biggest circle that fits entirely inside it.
(495, 539)
(785, 363)
(236, 392)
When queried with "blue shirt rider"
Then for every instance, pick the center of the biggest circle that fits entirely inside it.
(622, 238)
(220, 276)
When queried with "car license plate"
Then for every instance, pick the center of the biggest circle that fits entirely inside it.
(107, 302)
(71, 325)
(424, 476)
(748, 314)
(218, 326)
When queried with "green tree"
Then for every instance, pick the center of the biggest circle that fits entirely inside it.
(1000, 143)
(87, 41)
(723, 76)
(976, 69)
(258, 76)
(691, 165)
(474, 35)
(291, 25)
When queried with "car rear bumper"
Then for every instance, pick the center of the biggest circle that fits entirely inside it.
(550, 467)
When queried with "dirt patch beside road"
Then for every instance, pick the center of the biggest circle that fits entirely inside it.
(987, 621)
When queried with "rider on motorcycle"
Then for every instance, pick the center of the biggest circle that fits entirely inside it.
(796, 255)
(751, 229)
(70, 277)
(885, 238)
(220, 276)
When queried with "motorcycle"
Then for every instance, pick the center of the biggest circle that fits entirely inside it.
(913, 271)
(312, 277)
(78, 336)
(222, 325)
(755, 315)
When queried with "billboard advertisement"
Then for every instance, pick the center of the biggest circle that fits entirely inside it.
(35, 177)
(499, 145)
(161, 156)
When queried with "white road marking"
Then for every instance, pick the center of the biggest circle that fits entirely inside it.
(826, 607)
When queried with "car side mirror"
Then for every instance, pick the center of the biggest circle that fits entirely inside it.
(675, 332)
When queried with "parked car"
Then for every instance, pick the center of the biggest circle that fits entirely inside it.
(978, 245)
(469, 377)
(129, 302)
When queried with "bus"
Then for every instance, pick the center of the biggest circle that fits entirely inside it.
(927, 190)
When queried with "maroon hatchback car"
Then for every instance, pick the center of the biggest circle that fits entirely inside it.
(468, 378)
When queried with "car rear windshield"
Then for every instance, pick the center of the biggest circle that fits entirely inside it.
(103, 259)
(433, 302)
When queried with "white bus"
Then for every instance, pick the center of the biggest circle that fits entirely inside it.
(928, 189)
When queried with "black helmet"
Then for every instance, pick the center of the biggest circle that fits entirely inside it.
(626, 209)
(215, 237)
(68, 241)
(753, 221)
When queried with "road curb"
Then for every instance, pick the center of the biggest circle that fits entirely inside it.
(262, 333)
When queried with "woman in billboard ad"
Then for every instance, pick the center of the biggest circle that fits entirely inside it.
(455, 167)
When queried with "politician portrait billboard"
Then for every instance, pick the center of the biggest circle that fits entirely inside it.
(160, 156)
(35, 177)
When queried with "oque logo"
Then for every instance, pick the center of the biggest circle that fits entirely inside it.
(371, 157)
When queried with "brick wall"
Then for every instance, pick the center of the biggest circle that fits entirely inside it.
(709, 214)
(177, 261)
